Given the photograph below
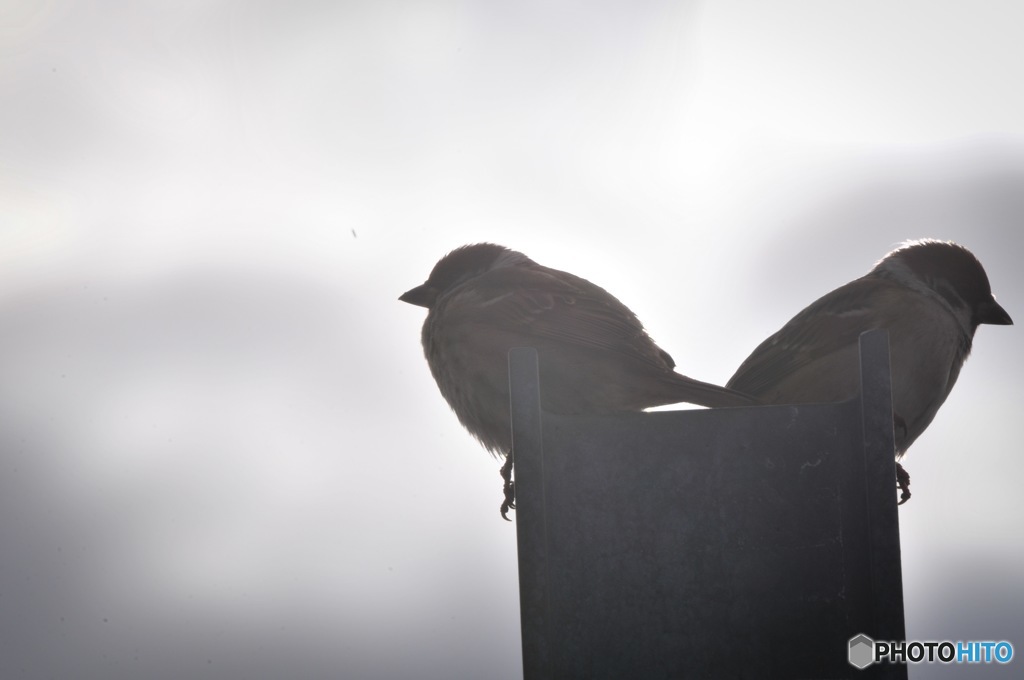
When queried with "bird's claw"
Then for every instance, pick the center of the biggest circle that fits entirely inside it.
(903, 482)
(509, 488)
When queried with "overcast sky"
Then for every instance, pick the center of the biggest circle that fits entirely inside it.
(221, 452)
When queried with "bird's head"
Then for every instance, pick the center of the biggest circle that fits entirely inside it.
(459, 266)
(950, 271)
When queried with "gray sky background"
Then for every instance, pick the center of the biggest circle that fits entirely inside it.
(221, 452)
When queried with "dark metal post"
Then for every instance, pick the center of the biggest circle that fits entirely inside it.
(737, 542)
(882, 517)
(530, 507)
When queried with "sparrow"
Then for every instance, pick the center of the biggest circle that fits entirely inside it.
(595, 356)
(930, 296)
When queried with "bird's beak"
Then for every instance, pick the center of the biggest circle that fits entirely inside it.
(992, 313)
(421, 296)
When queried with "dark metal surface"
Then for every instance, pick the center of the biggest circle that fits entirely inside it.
(723, 543)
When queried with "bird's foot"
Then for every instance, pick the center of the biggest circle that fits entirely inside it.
(903, 481)
(509, 489)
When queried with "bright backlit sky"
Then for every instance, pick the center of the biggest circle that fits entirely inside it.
(221, 452)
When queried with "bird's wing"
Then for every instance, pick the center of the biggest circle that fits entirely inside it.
(546, 304)
(830, 324)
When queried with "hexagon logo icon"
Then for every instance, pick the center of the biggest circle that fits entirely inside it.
(862, 651)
